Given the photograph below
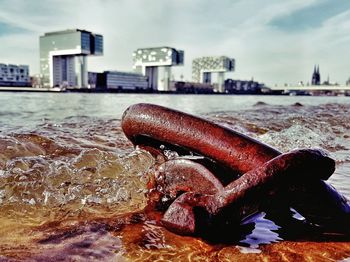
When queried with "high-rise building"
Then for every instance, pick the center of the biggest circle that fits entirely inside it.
(63, 57)
(316, 77)
(14, 75)
(156, 63)
(203, 67)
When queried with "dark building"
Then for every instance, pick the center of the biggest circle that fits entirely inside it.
(242, 87)
(92, 79)
(191, 87)
(316, 77)
(115, 80)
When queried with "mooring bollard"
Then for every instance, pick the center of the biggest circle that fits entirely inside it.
(258, 169)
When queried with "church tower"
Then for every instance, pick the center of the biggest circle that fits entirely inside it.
(316, 77)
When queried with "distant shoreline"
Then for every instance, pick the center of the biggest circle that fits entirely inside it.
(141, 91)
(115, 91)
(28, 89)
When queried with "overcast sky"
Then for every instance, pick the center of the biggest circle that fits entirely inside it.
(273, 41)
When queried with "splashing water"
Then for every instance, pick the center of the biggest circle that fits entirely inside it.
(75, 189)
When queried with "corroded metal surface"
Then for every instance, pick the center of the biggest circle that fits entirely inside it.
(185, 175)
(222, 144)
(266, 174)
(259, 183)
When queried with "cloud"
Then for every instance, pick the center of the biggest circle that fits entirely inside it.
(243, 29)
(7, 29)
(311, 16)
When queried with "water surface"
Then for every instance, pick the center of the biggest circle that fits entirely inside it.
(72, 187)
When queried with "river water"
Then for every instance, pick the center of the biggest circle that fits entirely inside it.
(72, 187)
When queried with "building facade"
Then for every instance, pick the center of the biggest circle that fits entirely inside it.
(191, 87)
(203, 67)
(63, 57)
(233, 86)
(121, 81)
(156, 63)
(14, 75)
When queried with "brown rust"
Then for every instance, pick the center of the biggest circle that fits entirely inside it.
(219, 143)
(258, 182)
(151, 126)
(185, 175)
(177, 176)
(226, 146)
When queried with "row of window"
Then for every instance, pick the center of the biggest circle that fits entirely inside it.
(14, 73)
(12, 70)
(17, 78)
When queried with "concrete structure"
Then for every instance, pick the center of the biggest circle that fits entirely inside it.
(14, 75)
(156, 63)
(203, 67)
(63, 57)
(122, 81)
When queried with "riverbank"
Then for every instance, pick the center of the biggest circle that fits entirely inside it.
(124, 91)
(29, 89)
(274, 92)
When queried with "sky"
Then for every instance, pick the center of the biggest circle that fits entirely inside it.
(272, 41)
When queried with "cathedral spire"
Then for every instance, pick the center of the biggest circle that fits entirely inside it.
(316, 77)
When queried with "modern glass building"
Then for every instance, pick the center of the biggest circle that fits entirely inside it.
(156, 63)
(63, 57)
(203, 67)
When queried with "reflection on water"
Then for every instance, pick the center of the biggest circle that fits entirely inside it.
(263, 233)
(73, 188)
(86, 243)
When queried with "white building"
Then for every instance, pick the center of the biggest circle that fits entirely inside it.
(156, 63)
(203, 67)
(63, 57)
(14, 75)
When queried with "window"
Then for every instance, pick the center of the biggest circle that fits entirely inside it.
(85, 41)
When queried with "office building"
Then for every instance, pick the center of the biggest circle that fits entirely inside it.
(63, 57)
(203, 67)
(121, 81)
(156, 63)
(233, 86)
(14, 75)
(191, 87)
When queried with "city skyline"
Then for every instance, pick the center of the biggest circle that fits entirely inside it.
(271, 41)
